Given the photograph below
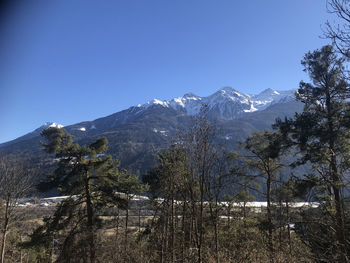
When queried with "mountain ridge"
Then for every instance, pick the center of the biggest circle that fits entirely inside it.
(137, 134)
(218, 104)
(244, 103)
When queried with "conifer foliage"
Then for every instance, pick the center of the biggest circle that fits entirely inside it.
(321, 135)
(89, 178)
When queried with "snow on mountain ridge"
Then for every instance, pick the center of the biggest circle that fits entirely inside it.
(270, 96)
(52, 124)
(163, 103)
(227, 102)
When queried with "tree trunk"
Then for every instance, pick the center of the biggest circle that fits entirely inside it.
(214, 219)
(244, 219)
(3, 241)
(183, 231)
(269, 218)
(228, 215)
(21, 251)
(139, 215)
(339, 216)
(90, 225)
(172, 222)
(280, 224)
(117, 224)
(216, 232)
(200, 225)
(336, 184)
(117, 238)
(126, 227)
(339, 228)
(288, 227)
(166, 239)
(4, 229)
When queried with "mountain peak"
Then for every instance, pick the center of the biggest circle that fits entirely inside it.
(52, 124)
(163, 103)
(227, 102)
(190, 95)
(228, 93)
(227, 89)
(269, 91)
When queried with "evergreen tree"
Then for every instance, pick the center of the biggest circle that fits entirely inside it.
(89, 178)
(321, 134)
(262, 159)
(169, 180)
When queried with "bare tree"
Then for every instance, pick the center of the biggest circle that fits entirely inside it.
(339, 32)
(198, 142)
(15, 183)
(263, 159)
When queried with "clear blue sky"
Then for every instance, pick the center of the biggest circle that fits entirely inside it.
(70, 61)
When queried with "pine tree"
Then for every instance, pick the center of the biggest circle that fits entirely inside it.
(89, 178)
(168, 180)
(321, 134)
(262, 159)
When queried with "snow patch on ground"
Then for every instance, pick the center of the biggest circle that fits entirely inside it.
(162, 132)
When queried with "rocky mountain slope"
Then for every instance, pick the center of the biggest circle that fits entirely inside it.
(138, 133)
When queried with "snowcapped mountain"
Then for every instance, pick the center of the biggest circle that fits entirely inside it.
(270, 96)
(52, 124)
(137, 134)
(227, 103)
